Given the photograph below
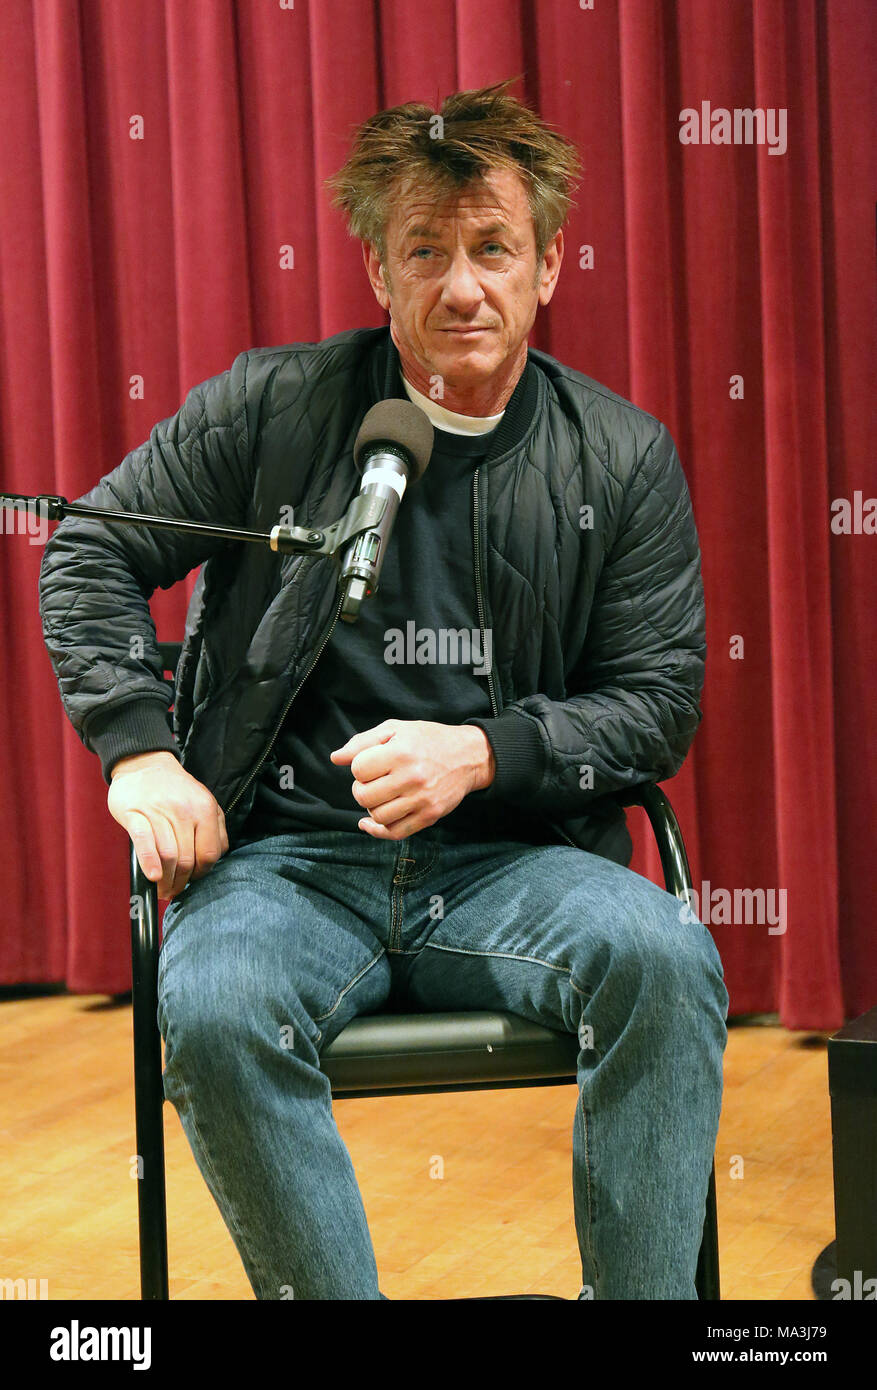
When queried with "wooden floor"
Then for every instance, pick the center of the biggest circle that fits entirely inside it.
(68, 1201)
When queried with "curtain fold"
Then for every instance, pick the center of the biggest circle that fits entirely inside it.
(162, 208)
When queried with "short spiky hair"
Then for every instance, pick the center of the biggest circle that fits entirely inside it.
(479, 131)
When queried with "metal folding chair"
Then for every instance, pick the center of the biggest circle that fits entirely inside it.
(381, 1054)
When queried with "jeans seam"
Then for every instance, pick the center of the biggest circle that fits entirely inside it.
(585, 992)
(395, 933)
(586, 1150)
(407, 879)
(321, 1018)
(502, 955)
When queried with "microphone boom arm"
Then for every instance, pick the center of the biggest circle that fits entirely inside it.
(364, 513)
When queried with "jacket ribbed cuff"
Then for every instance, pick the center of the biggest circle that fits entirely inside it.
(518, 754)
(140, 726)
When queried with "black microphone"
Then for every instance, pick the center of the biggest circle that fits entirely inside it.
(392, 448)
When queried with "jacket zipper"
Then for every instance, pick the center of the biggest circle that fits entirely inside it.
(326, 635)
(494, 702)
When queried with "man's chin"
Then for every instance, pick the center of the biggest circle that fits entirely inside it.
(473, 353)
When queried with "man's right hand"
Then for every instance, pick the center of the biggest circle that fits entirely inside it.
(177, 826)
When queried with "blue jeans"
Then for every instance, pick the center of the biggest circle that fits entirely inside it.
(286, 939)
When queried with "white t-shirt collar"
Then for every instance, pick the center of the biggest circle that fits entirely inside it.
(450, 420)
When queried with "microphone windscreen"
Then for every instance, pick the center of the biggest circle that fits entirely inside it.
(397, 422)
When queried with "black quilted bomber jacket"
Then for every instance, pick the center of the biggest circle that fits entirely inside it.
(597, 617)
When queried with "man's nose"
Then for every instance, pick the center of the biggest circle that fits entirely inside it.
(461, 290)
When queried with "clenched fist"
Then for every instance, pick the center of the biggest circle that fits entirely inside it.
(408, 773)
(177, 826)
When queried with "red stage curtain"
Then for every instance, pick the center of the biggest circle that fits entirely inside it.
(160, 258)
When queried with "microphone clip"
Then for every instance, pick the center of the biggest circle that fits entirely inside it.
(363, 514)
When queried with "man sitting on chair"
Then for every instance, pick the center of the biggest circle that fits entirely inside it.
(417, 806)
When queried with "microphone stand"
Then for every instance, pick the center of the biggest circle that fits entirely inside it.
(364, 513)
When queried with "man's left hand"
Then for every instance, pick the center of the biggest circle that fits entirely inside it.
(410, 773)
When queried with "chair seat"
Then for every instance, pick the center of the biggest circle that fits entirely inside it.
(387, 1054)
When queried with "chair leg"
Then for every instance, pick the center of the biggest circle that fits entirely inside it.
(148, 1089)
(707, 1276)
(677, 880)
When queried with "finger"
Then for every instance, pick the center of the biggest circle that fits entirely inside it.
(184, 833)
(377, 760)
(223, 832)
(366, 739)
(143, 840)
(208, 845)
(165, 842)
(399, 830)
(371, 795)
(398, 818)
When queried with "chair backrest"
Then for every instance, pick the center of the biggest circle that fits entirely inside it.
(170, 655)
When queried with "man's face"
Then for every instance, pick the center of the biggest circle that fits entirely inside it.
(462, 280)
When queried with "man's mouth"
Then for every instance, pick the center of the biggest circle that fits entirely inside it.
(477, 328)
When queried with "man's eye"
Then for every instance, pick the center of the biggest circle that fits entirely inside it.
(494, 245)
(422, 251)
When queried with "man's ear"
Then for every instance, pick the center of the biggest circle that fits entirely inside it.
(376, 274)
(550, 268)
